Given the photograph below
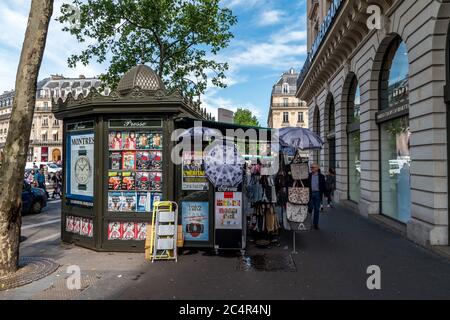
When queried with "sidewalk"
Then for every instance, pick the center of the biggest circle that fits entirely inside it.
(331, 264)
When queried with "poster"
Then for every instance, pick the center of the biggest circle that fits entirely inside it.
(81, 166)
(194, 176)
(228, 210)
(195, 220)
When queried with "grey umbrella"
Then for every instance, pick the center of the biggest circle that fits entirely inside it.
(300, 138)
(224, 165)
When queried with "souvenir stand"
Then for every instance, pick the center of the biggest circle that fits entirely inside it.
(226, 224)
(117, 160)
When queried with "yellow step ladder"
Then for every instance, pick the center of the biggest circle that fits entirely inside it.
(163, 232)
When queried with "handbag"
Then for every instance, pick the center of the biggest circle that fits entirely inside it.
(300, 171)
(296, 213)
(298, 195)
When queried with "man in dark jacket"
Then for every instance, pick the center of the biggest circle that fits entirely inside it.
(317, 188)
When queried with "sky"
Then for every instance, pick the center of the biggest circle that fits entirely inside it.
(270, 38)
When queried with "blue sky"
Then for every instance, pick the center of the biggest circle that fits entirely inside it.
(270, 38)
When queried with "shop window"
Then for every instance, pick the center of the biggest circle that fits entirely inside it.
(354, 143)
(395, 135)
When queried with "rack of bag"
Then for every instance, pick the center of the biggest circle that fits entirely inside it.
(297, 207)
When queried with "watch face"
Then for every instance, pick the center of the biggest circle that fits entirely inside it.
(82, 170)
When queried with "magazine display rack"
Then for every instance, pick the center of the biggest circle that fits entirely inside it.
(164, 231)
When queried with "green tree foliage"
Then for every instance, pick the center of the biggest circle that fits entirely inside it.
(246, 118)
(179, 39)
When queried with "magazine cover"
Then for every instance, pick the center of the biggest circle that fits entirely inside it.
(129, 160)
(115, 181)
(77, 225)
(130, 141)
(141, 231)
(143, 202)
(142, 181)
(142, 160)
(155, 181)
(155, 197)
(91, 228)
(128, 231)
(114, 201)
(129, 202)
(144, 141)
(155, 160)
(128, 181)
(115, 160)
(115, 140)
(156, 140)
(85, 227)
(114, 231)
(69, 223)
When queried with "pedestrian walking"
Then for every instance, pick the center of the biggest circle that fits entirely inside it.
(330, 182)
(317, 188)
(56, 179)
(40, 180)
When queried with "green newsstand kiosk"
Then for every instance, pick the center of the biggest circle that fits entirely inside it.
(117, 151)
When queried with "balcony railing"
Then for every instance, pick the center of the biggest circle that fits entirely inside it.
(288, 105)
(327, 23)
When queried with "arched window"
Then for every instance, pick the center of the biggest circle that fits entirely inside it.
(316, 127)
(395, 133)
(331, 136)
(354, 142)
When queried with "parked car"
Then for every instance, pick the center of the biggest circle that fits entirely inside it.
(53, 168)
(33, 199)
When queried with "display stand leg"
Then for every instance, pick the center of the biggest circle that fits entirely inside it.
(293, 243)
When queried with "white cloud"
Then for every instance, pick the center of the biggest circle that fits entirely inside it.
(270, 17)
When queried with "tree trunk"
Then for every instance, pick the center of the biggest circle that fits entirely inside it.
(16, 148)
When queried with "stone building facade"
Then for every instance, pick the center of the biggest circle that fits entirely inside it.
(378, 96)
(286, 110)
(47, 132)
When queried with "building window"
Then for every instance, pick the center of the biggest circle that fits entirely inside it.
(45, 121)
(285, 117)
(286, 88)
(301, 118)
(46, 105)
(395, 135)
(316, 128)
(354, 143)
(286, 103)
(44, 137)
(56, 123)
(55, 136)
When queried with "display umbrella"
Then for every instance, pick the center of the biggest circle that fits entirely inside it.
(224, 165)
(300, 138)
